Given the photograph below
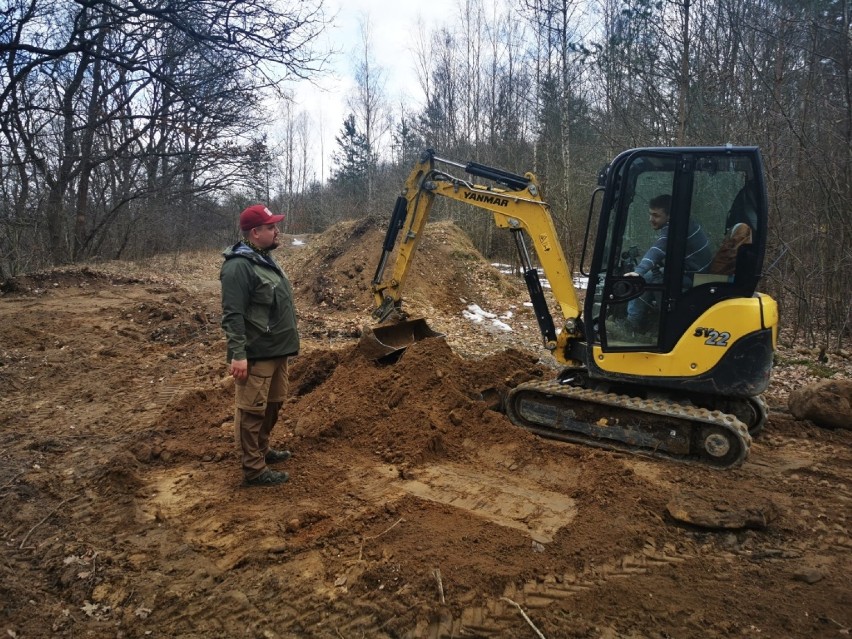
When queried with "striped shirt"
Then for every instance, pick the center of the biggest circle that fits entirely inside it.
(698, 251)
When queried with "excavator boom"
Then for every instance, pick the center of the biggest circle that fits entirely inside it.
(515, 204)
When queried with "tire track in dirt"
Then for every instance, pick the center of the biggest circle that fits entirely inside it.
(807, 468)
(493, 619)
(177, 386)
(174, 496)
(317, 597)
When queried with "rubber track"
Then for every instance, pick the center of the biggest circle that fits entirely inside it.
(669, 410)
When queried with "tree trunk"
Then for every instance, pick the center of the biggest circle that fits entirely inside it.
(683, 88)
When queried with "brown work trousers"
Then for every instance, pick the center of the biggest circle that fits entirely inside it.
(258, 400)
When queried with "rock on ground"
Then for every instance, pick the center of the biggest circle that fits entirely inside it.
(827, 403)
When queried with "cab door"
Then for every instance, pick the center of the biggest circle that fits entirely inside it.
(710, 191)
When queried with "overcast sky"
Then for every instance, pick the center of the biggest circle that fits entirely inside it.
(393, 26)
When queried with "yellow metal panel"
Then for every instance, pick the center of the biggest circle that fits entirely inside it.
(770, 316)
(702, 346)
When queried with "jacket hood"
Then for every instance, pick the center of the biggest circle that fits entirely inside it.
(239, 249)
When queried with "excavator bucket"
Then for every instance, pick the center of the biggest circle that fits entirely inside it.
(387, 343)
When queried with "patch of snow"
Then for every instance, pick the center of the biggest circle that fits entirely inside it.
(297, 242)
(476, 314)
(473, 317)
(502, 326)
(581, 282)
(476, 310)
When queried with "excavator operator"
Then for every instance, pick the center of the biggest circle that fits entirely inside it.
(650, 267)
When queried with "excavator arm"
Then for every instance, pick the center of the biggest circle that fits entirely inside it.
(515, 204)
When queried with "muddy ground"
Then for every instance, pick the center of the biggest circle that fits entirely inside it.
(414, 510)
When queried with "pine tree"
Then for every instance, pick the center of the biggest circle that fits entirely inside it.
(352, 160)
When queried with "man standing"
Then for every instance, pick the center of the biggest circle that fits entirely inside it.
(259, 320)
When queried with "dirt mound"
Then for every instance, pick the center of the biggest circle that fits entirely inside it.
(335, 269)
(414, 510)
(425, 406)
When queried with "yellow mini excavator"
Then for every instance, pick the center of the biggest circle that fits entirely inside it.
(686, 383)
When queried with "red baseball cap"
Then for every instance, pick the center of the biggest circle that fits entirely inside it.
(257, 215)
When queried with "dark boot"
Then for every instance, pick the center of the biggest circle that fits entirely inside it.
(268, 477)
(274, 456)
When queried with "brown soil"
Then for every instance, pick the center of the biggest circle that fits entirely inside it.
(414, 510)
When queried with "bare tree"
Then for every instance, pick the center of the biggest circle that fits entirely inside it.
(105, 103)
(370, 106)
(293, 163)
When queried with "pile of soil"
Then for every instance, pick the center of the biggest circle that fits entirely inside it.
(414, 508)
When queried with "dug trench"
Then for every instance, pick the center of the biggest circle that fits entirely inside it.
(414, 509)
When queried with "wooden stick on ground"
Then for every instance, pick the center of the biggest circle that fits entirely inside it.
(11, 481)
(48, 516)
(437, 573)
(361, 549)
(524, 615)
(388, 530)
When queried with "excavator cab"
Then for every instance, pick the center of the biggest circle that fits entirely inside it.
(688, 266)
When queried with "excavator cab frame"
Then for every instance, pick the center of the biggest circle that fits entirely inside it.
(699, 319)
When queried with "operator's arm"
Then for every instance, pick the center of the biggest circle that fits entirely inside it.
(654, 256)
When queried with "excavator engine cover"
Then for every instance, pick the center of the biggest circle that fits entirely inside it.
(388, 343)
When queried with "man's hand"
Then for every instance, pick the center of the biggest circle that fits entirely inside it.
(239, 369)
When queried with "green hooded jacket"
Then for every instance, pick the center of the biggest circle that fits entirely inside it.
(258, 313)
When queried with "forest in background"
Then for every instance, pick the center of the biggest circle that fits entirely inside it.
(134, 128)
